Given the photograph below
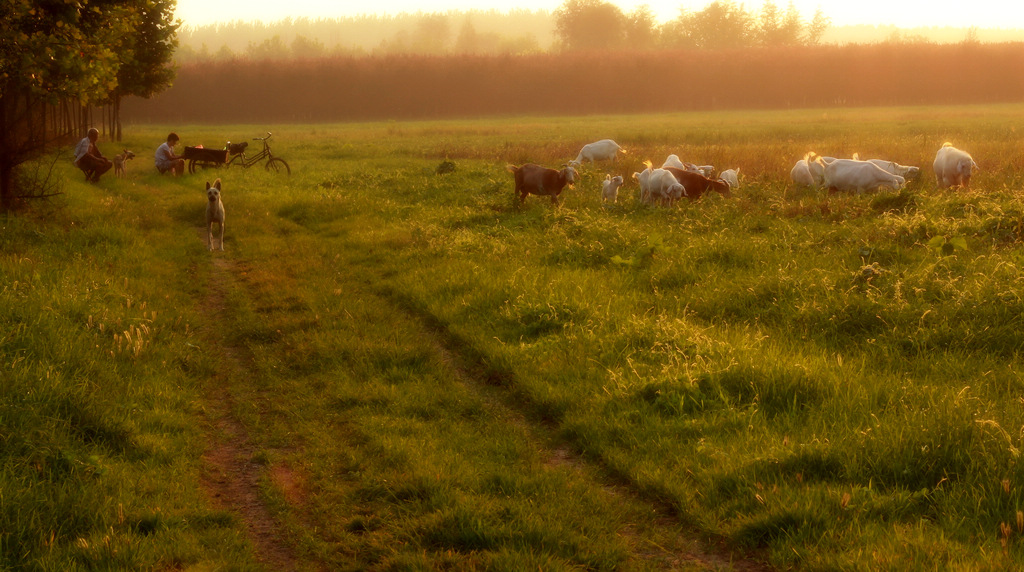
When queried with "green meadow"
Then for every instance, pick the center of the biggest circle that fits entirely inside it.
(392, 368)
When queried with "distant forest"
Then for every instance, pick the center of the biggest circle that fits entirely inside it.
(513, 32)
(587, 57)
(405, 87)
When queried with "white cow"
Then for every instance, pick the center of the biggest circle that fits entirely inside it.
(602, 150)
(953, 167)
(859, 176)
(907, 172)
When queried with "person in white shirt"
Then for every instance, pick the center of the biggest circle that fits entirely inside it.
(89, 159)
(166, 160)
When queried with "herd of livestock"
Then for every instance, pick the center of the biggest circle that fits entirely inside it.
(676, 179)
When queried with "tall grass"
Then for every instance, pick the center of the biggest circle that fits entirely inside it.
(433, 375)
(99, 400)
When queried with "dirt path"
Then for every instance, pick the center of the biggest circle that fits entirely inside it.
(232, 476)
(658, 540)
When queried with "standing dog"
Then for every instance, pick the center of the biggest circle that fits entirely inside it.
(214, 213)
(121, 163)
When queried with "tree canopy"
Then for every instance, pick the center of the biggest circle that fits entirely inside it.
(596, 24)
(86, 51)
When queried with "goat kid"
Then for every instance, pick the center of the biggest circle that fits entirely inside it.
(610, 188)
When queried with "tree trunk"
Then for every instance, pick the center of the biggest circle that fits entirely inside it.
(117, 116)
(6, 185)
(6, 178)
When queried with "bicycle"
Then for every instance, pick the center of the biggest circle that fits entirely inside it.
(238, 158)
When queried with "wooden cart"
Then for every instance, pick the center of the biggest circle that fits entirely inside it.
(202, 158)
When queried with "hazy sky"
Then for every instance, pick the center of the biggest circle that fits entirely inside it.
(957, 13)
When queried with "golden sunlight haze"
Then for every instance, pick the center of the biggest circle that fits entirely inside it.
(941, 13)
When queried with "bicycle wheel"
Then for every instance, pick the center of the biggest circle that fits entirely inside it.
(199, 164)
(236, 161)
(277, 165)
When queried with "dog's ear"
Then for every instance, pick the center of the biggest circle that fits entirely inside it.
(207, 185)
(217, 184)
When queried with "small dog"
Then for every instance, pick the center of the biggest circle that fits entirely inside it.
(214, 213)
(121, 163)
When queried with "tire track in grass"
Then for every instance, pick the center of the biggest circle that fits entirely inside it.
(232, 474)
(659, 539)
(655, 536)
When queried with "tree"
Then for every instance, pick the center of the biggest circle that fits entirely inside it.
(641, 29)
(589, 25)
(778, 29)
(433, 33)
(48, 52)
(270, 49)
(721, 24)
(145, 54)
(307, 48)
(64, 55)
(816, 29)
(468, 41)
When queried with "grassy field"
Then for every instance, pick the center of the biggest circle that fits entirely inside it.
(393, 369)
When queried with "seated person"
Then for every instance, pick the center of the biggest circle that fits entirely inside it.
(166, 160)
(89, 159)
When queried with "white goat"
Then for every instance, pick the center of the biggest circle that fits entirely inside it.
(673, 161)
(602, 150)
(610, 188)
(664, 187)
(859, 176)
(731, 176)
(907, 172)
(953, 167)
(808, 172)
(642, 178)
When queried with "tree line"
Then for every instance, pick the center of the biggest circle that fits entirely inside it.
(575, 25)
(595, 24)
(404, 86)
(61, 58)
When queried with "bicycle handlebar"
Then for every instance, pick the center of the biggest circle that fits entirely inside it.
(263, 138)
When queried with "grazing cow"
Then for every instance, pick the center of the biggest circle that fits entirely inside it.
(537, 180)
(602, 150)
(610, 188)
(953, 167)
(859, 176)
(894, 168)
(695, 184)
